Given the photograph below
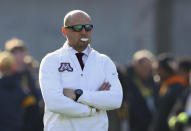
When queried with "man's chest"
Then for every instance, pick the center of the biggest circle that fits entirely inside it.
(72, 76)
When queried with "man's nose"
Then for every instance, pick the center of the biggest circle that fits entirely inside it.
(83, 31)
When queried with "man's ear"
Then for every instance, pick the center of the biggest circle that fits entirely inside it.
(63, 31)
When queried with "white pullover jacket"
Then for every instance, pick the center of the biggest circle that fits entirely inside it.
(61, 69)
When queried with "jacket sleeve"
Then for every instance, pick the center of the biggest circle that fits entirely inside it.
(52, 91)
(105, 100)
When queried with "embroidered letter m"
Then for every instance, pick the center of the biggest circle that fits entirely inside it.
(65, 66)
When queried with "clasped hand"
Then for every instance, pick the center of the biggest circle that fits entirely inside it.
(71, 94)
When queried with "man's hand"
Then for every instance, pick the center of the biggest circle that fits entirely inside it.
(69, 93)
(105, 86)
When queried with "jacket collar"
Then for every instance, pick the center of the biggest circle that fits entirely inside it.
(71, 50)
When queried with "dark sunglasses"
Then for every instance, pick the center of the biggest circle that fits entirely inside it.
(78, 28)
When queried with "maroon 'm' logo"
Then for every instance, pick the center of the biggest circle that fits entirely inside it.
(65, 67)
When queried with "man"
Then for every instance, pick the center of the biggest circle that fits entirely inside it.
(140, 91)
(182, 106)
(78, 84)
(171, 87)
(18, 49)
(184, 68)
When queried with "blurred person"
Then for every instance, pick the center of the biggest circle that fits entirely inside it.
(32, 116)
(140, 91)
(18, 49)
(7, 64)
(32, 65)
(184, 68)
(13, 98)
(78, 83)
(180, 116)
(172, 85)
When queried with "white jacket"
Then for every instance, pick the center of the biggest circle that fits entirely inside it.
(61, 69)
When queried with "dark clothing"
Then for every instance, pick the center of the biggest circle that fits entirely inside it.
(166, 103)
(140, 99)
(29, 84)
(179, 107)
(33, 116)
(33, 119)
(180, 103)
(11, 98)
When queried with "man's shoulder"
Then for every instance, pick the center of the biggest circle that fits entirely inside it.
(105, 59)
(56, 53)
(101, 55)
(53, 55)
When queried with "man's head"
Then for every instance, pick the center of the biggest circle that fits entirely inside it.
(7, 63)
(167, 66)
(142, 63)
(18, 49)
(184, 68)
(74, 21)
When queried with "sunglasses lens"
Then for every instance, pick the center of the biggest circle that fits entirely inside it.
(88, 27)
(77, 27)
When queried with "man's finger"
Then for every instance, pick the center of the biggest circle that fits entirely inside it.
(107, 84)
(102, 86)
(108, 87)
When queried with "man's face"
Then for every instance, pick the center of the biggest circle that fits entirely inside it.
(162, 73)
(73, 37)
(19, 57)
(144, 68)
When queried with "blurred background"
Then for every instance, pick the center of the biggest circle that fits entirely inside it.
(122, 30)
(121, 27)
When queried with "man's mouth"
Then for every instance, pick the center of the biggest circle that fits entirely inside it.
(84, 39)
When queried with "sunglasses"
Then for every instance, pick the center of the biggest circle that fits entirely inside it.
(78, 28)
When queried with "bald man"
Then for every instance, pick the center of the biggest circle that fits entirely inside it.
(78, 83)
